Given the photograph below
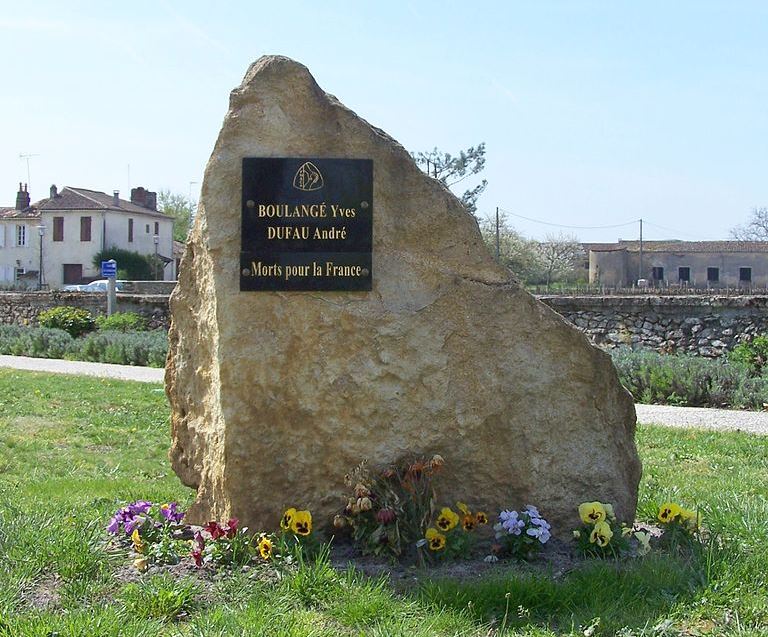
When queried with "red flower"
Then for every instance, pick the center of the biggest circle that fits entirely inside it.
(214, 530)
(230, 529)
(386, 516)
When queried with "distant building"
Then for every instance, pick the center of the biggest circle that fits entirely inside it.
(74, 225)
(700, 264)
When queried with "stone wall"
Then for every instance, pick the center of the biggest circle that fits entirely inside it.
(704, 325)
(23, 308)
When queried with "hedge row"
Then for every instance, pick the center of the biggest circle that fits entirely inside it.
(687, 380)
(147, 349)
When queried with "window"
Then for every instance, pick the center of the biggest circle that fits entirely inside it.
(713, 275)
(657, 273)
(18, 273)
(130, 230)
(157, 232)
(58, 228)
(147, 228)
(745, 274)
(684, 274)
(85, 228)
(21, 235)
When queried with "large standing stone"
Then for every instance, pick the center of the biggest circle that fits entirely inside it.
(275, 395)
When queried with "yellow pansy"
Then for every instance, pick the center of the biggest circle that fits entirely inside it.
(463, 508)
(591, 512)
(265, 547)
(668, 512)
(302, 523)
(481, 517)
(468, 522)
(601, 534)
(691, 519)
(287, 519)
(447, 519)
(435, 539)
(141, 564)
(139, 545)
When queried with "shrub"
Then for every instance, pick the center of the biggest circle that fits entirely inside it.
(72, 320)
(129, 348)
(122, 322)
(39, 342)
(136, 266)
(753, 354)
(684, 379)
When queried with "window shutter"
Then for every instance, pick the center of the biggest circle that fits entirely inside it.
(2, 235)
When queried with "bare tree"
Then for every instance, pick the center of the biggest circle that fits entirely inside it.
(756, 229)
(519, 254)
(560, 255)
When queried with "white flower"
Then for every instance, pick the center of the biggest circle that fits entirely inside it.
(540, 533)
(490, 559)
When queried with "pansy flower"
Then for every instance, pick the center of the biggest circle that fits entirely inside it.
(668, 512)
(447, 519)
(287, 519)
(435, 539)
(302, 523)
(591, 512)
(601, 534)
(265, 547)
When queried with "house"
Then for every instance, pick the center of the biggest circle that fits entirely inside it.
(58, 237)
(698, 264)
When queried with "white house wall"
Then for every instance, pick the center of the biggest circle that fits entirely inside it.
(117, 235)
(71, 250)
(13, 256)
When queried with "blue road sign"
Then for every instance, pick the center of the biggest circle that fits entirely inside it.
(109, 269)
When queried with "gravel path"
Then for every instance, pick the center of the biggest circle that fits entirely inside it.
(754, 422)
(699, 417)
(102, 370)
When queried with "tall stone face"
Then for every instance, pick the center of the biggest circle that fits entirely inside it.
(276, 395)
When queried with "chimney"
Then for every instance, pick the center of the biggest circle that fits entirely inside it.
(116, 198)
(22, 198)
(144, 198)
(54, 191)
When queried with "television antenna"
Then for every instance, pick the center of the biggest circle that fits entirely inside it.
(27, 156)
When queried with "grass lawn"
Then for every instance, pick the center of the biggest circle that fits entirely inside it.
(74, 449)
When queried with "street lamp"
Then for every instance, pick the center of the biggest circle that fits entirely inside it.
(156, 240)
(41, 232)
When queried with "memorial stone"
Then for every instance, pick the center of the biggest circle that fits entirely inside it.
(336, 304)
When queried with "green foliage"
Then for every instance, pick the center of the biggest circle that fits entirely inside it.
(451, 170)
(160, 597)
(181, 208)
(389, 511)
(122, 322)
(684, 379)
(135, 266)
(752, 354)
(75, 321)
(147, 349)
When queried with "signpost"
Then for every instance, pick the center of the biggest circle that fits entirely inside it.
(109, 272)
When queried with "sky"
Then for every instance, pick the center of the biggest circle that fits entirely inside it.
(593, 113)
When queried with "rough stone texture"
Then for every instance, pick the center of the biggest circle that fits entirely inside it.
(276, 395)
(708, 326)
